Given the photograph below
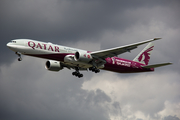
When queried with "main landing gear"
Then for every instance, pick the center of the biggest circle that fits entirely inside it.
(77, 73)
(94, 69)
(19, 54)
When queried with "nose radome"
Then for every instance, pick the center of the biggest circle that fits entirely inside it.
(8, 44)
(11, 46)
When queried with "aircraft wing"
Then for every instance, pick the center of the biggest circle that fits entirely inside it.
(119, 50)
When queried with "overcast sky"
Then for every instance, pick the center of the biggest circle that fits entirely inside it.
(28, 91)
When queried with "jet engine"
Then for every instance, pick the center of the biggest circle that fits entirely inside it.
(53, 65)
(83, 57)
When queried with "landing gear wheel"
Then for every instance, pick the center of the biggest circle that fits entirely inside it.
(73, 73)
(19, 59)
(97, 71)
(19, 54)
(77, 74)
(90, 68)
(80, 75)
(94, 69)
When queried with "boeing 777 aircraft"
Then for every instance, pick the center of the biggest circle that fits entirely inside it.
(77, 59)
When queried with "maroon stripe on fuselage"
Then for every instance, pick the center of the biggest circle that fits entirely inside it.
(121, 65)
(57, 56)
(123, 69)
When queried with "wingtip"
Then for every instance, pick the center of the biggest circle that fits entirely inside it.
(170, 63)
(157, 38)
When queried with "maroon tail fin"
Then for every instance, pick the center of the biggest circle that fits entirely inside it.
(144, 56)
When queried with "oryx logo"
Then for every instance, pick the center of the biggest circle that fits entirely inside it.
(145, 56)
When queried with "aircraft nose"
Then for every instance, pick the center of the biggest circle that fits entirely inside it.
(8, 44)
(11, 46)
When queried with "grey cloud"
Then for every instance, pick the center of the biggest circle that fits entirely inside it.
(117, 109)
(66, 21)
(171, 118)
(101, 97)
(28, 90)
(34, 95)
(151, 94)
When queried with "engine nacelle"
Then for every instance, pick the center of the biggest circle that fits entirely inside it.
(82, 57)
(53, 65)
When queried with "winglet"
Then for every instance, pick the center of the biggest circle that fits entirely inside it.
(157, 38)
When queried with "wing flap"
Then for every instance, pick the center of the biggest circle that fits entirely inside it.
(156, 65)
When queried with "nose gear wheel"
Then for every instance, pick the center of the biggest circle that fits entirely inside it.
(19, 54)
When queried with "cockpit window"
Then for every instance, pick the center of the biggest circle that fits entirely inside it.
(13, 41)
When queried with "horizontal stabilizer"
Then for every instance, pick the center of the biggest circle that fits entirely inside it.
(156, 65)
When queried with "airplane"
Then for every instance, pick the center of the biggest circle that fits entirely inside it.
(72, 58)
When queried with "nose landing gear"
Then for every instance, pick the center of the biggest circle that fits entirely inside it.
(19, 54)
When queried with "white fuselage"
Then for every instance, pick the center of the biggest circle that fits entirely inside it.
(27, 46)
(47, 51)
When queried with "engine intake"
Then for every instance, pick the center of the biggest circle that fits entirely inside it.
(53, 65)
(83, 57)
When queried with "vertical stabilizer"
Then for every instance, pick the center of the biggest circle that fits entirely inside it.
(144, 56)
